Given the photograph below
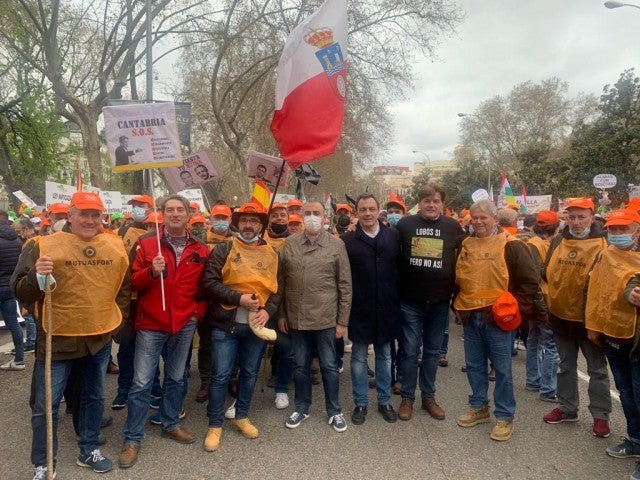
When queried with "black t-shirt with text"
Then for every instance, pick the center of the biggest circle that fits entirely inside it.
(428, 257)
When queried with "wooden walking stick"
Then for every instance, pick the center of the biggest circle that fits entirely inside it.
(47, 376)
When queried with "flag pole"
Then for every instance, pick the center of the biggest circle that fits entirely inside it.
(273, 196)
(47, 375)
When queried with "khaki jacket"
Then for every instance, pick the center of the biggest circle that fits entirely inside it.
(317, 283)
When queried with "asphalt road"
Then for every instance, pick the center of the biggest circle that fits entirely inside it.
(417, 449)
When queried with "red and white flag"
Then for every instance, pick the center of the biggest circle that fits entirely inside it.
(311, 86)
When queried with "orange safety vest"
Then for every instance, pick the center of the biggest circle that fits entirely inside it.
(607, 310)
(131, 237)
(88, 276)
(214, 238)
(277, 243)
(481, 271)
(567, 273)
(251, 269)
(542, 247)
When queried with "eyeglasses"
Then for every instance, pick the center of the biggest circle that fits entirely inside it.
(249, 220)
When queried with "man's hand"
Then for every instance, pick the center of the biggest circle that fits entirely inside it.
(340, 331)
(634, 296)
(44, 265)
(283, 325)
(594, 337)
(157, 266)
(261, 318)
(247, 301)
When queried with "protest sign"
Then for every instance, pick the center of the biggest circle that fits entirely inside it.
(111, 200)
(266, 168)
(194, 195)
(142, 136)
(196, 169)
(57, 193)
(24, 198)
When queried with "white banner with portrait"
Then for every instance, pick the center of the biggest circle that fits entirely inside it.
(196, 169)
(142, 136)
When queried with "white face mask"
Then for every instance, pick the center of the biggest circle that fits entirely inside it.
(312, 224)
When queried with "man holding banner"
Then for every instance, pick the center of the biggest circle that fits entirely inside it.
(89, 271)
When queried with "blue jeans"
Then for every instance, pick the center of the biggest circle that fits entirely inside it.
(224, 349)
(9, 309)
(422, 325)
(284, 367)
(149, 346)
(93, 372)
(303, 342)
(542, 358)
(360, 378)
(626, 374)
(483, 343)
(30, 326)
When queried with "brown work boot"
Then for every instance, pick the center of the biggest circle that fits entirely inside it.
(475, 416)
(128, 456)
(212, 440)
(179, 434)
(405, 411)
(502, 430)
(436, 411)
(203, 394)
(247, 428)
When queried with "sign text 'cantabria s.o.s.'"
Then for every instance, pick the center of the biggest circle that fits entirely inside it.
(142, 136)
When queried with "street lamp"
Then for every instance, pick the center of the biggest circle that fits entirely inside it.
(620, 4)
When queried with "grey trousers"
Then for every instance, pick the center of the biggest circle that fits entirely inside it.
(599, 393)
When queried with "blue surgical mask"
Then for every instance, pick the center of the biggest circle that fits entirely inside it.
(251, 240)
(393, 218)
(621, 241)
(584, 234)
(220, 226)
(138, 214)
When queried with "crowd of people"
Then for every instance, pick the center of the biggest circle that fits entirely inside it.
(244, 278)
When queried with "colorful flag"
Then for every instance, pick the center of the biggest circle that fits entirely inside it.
(261, 195)
(506, 193)
(311, 86)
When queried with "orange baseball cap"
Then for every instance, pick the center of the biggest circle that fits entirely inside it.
(197, 219)
(277, 205)
(585, 203)
(59, 208)
(151, 218)
(622, 217)
(87, 201)
(45, 223)
(128, 216)
(142, 199)
(194, 205)
(293, 218)
(634, 204)
(220, 210)
(294, 202)
(506, 312)
(344, 206)
(546, 218)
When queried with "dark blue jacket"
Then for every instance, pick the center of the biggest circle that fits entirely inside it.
(10, 248)
(374, 309)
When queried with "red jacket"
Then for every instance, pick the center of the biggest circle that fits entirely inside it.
(182, 290)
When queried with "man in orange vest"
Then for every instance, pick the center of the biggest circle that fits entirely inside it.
(92, 281)
(611, 319)
(570, 256)
(242, 281)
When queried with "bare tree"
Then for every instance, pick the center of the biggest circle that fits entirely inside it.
(231, 67)
(87, 49)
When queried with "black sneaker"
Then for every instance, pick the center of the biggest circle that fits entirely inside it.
(626, 449)
(388, 413)
(359, 415)
(119, 402)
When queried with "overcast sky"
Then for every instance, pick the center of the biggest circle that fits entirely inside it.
(502, 43)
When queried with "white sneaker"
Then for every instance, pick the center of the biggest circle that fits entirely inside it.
(282, 401)
(231, 411)
(12, 365)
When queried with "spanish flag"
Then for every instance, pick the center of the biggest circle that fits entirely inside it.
(261, 195)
